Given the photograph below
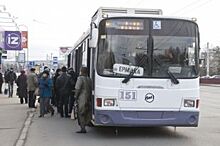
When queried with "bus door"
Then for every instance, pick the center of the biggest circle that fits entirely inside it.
(91, 64)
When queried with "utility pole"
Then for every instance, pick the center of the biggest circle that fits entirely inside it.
(207, 65)
(51, 60)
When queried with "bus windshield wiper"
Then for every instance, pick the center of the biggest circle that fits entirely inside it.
(128, 77)
(173, 78)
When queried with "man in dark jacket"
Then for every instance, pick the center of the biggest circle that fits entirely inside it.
(56, 93)
(10, 78)
(64, 88)
(22, 87)
(32, 84)
(73, 79)
(1, 82)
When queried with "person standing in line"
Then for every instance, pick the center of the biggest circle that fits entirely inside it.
(45, 86)
(6, 81)
(1, 82)
(44, 69)
(83, 97)
(6, 75)
(32, 83)
(73, 79)
(22, 87)
(11, 78)
(64, 88)
(56, 93)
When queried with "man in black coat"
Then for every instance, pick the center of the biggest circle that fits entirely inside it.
(1, 82)
(73, 79)
(10, 77)
(22, 87)
(56, 93)
(64, 88)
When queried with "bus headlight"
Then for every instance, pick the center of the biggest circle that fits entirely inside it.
(189, 103)
(109, 102)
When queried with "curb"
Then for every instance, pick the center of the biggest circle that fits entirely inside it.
(212, 85)
(24, 131)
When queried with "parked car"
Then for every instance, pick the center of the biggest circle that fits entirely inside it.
(205, 77)
(215, 77)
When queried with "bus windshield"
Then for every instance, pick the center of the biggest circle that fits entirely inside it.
(149, 47)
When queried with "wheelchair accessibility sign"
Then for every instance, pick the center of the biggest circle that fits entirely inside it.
(156, 24)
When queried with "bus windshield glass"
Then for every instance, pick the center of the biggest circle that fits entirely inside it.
(148, 47)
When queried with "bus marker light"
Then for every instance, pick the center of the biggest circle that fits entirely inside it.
(104, 15)
(197, 103)
(109, 102)
(189, 103)
(99, 102)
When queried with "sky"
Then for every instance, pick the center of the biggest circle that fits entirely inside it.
(55, 23)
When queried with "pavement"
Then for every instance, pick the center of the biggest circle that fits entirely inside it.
(15, 120)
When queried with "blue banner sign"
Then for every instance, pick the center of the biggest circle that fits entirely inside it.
(31, 64)
(13, 40)
(55, 60)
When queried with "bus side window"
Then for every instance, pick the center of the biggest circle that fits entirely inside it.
(79, 59)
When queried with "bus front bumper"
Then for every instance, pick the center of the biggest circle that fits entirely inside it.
(146, 118)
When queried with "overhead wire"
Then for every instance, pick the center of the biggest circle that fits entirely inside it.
(203, 4)
(139, 2)
(185, 7)
(126, 2)
(191, 6)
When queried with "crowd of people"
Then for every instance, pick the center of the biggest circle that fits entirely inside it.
(60, 91)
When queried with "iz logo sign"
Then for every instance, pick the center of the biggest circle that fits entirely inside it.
(13, 40)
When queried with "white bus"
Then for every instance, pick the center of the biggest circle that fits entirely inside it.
(144, 67)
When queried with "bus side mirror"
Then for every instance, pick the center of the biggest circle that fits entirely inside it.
(93, 38)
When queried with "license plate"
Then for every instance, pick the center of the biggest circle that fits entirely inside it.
(127, 95)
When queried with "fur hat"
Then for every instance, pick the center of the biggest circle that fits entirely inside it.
(46, 72)
(22, 71)
(32, 69)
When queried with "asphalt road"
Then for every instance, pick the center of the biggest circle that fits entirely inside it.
(56, 131)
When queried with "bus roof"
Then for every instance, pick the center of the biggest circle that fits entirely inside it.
(109, 12)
